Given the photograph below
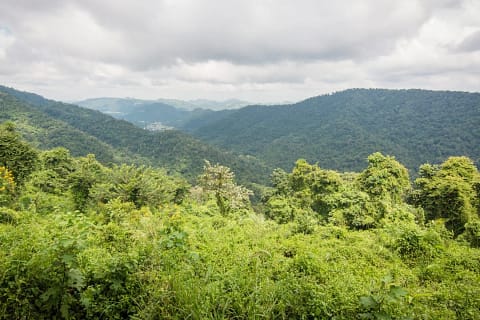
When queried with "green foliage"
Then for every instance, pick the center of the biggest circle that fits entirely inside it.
(472, 233)
(384, 178)
(16, 155)
(385, 303)
(141, 186)
(340, 130)
(52, 124)
(41, 277)
(88, 172)
(280, 181)
(220, 182)
(311, 185)
(354, 209)
(7, 186)
(8, 216)
(280, 209)
(81, 240)
(413, 243)
(449, 191)
(363, 201)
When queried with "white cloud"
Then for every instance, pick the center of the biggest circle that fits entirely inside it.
(261, 50)
(6, 41)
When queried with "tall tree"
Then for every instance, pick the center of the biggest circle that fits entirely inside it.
(385, 178)
(220, 181)
(16, 155)
(449, 191)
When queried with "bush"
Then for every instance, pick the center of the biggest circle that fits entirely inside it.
(472, 233)
(412, 243)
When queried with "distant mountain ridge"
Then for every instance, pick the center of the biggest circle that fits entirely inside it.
(206, 104)
(337, 130)
(107, 104)
(163, 113)
(49, 123)
(340, 130)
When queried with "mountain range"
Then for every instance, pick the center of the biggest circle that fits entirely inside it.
(340, 130)
(337, 131)
(162, 113)
(47, 124)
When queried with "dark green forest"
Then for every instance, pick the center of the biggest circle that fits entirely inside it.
(340, 130)
(47, 123)
(120, 236)
(83, 240)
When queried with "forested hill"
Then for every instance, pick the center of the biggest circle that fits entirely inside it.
(150, 113)
(340, 130)
(49, 123)
(47, 132)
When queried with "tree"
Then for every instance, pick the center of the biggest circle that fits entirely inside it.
(313, 185)
(58, 160)
(141, 186)
(280, 182)
(385, 178)
(88, 171)
(55, 166)
(219, 181)
(16, 155)
(353, 208)
(449, 191)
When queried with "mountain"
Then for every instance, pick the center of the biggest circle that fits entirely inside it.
(340, 130)
(50, 123)
(163, 113)
(206, 104)
(337, 130)
(46, 132)
(112, 106)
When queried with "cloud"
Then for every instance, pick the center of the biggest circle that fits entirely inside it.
(195, 48)
(254, 32)
(471, 43)
(6, 41)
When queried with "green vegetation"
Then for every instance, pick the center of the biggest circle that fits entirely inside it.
(49, 124)
(340, 130)
(82, 240)
(142, 113)
(46, 132)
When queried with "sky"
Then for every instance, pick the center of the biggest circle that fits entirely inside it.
(255, 50)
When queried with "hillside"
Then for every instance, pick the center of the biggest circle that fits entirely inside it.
(47, 132)
(124, 241)
(340, 130)
(87, 131)
(129, 104)
(206, 104)
(80, 240)
(163, 113)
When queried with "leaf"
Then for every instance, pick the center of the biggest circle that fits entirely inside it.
(51, 292)
(64, 310)
(365, 316)
(382, 315)
(76, 279)
(368, 302)
(68, 258)
(387, 279)
(397, 292)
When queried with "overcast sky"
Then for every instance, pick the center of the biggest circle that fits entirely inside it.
(256, 50)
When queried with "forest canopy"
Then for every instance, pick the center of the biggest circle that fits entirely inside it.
(83, 239)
